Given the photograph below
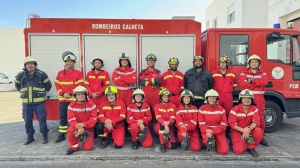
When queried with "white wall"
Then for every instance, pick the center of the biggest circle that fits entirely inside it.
(255, 13)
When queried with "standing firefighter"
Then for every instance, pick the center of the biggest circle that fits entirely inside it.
(186, 121)
(198, 80)
(173, 80)
(165, 116)
(82, 117)
(66, 81)
(111, 119)
(97, 80)
(138, 117)
(150, 79)
(212, 123)
(244, 122)
(124, 77)
(255, 80)
(33, 83)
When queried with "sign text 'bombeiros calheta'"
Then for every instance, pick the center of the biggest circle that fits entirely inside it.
(118, 26)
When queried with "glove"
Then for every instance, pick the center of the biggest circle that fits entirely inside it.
(211, 145)
(167, 136)
(185, 144)
(84, 136)
(142, 135)
(250, 139)
(79, 132)
(250, 80)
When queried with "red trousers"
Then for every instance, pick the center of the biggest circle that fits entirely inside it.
(175, 100)
(226, 101)
(134, 129)
(260, 102)
(118, 135)
(74, 141)
(161, 135)
(152, 98)
(239, 145)
(222, 146)
(125, 96)
(194, 138)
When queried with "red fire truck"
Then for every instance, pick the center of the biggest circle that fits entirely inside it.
(47, 38)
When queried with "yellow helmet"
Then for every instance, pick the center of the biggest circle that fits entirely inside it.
(211, 93)
(111, 90)
(151, 57)
(80, 89)
(124, 56)
(225, 59)
(68, 55)
(246, 93)
(254, 57)
(173, 61)
(198, 57)
(30, 59)
(164, 91)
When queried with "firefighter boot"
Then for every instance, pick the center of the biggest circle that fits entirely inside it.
(264, 142)
(163, 148)
(70, 151)
(104, 142)
(29, 140)
(252, 152)
(61, 137)
(185, 144)
(135, 145)
(45, 138)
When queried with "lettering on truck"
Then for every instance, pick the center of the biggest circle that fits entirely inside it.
(118, 26)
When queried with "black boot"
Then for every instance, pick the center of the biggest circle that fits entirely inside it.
(70, 151)
(135, 145)
(29, 139)
(61, 137)
(163, 148)
(252, 152)
(264, 142)
(45, 138)
(104, 142)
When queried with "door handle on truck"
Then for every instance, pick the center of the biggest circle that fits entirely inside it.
(269, 85)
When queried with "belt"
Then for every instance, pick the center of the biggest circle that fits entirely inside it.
(199, 97)
(123, 88)
(258, 92)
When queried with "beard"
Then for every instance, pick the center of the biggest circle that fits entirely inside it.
(173, 68)
(198, 66)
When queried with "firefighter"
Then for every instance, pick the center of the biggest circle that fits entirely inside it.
(66, 81)
(150, 79)
(212, 123)
(255, 80)
(173, 80)
(82, 117)
(97, 80)
(186, 121)
(198, 80)
(244, 120)
(138, 117)
(111, 119)
(165, 116)
(33, 84)
(124, 78)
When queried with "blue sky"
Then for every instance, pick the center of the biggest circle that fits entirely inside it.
(13, 13)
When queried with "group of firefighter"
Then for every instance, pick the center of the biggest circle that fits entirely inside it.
(196, 104)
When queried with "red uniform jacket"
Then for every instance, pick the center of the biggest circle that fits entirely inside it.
(175, 84)
(226, 83)
(85, 113)
(66, 81)
(213, 118)
(148, 78)
(165, 112)
(238, 117)
(187, 117)
(134, 113)
(116, 113)
(97, 83)
(259, 81)
(123, 78)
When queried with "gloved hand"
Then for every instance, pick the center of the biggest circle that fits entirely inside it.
(250, 80)
(142, 135)
(84, 136)
(250, 139)
(211, 145)
(185, 144)
(167, 136)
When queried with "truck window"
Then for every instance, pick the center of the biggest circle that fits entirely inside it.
(296, 55)
(235, 46)
(279, 48)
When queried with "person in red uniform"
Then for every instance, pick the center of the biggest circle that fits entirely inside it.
(138, 117)
(173, 80)
(82, 117)
(244, 122)
(186, 121)
(66, 81)
(124, 77)
(150, 79)
(111, 119)
(165, 113)
(212, 122)
(96, 81)
(255, 80)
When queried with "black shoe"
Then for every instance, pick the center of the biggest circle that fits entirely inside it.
(135, 145)
(70, 151)
(252, 152)
(61, 137)
(264, 142)
(104, 142)
(163, 148)
(117, 147)
(45, 138)
(29, 140)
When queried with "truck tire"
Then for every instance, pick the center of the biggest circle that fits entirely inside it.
(273, 116)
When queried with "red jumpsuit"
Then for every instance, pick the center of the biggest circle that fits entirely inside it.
(116, 114)
(124, 79)
(243, 119)
(133, 115)
(81, 113)
(165, 113)
(259, 81)
(186, 121)
(175, 84)
(150, 80)
(214, 118)
(224, 85)
(97, 83)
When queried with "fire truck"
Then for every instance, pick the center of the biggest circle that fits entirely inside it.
(47, 38)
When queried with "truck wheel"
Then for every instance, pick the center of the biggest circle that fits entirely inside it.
(273, 116)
